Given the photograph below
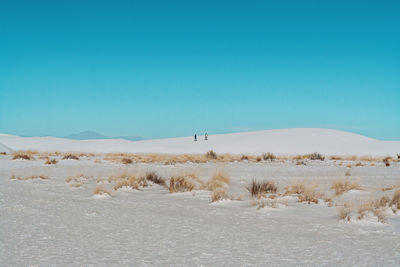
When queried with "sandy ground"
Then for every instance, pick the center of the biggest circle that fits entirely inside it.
(48, 222)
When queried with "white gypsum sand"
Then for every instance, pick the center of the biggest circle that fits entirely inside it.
(285, 141)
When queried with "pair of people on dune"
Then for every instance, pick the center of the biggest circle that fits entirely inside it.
(205, 137)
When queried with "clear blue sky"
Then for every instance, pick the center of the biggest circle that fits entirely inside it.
(172, 68)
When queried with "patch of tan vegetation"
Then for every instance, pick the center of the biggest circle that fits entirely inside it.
(155, 178)
(268, 156)
(344, 212)
(126, 161)
(342, 186)
(395, 201)
(51, 162)
(100, 190)
(259, 189)
(376, 207)
(305, 192)
(43, 177)
(211, 155)
(181, 184)
(218, 185)
(76, 180)
(128, 180)
(387, 161)
(22, 155)
(71, 156)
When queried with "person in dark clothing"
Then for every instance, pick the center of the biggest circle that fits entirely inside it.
(206, 136)
(195, 137)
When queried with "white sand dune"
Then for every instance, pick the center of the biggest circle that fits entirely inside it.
(283, 141)
(5, 149)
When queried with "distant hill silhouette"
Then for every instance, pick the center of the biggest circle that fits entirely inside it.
(88, 135)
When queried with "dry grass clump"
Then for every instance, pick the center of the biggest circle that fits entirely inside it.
(395, 201)
(219, 193)
(268, 156)
(3, 153)
(315, 156)
(155, 178)
(51, 162)
(336, 158)
(211, 155)
(218, 186)
(76, 180)
(181, 184)
(70, 156)
(342, 186)
(100, 190)
(21, 155)
(43, 177)
(376, 207)
(386, 161)
(126, 161)
(128, 180)
(305, 193)
(244, 157)
(359, 164)
(344, 212)
(300, 162)
(260, 188)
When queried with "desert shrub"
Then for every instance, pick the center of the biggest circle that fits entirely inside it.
(260, 188)
(99, 190)
(211, 155)
(3, 153)
(395, 201)
(359, 164)
(180, 184)
(76, 180)
(244, 157)
(155, 178)
(70, 156)
(344, 213)
(305, 193)
(347, 173)
(386, 161)
(126, 161)
(300, 162)
(219, 193)
(219, 179)
(21, 155)
(316, 156)
(268, 156)
(343, 186)
(43, 177)
(258, 159)
(51, 162)
(128, 180)
(335, 158)
(376, 207)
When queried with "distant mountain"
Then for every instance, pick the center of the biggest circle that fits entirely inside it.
(88, 135)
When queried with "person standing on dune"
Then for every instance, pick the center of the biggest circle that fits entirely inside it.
(195, 137)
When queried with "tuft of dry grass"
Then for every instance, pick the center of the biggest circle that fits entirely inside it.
(70, 156)
(344, 212)
(211, 155)
(180, 184)
(155, 178)
(126, 161)
(77, 180)
(21, 155)
(128, 180)
(100, 190)
(219, 193)
(395, 201)
(51, 162)
(376, 207)
(342, 186)
(43, 177)
(305, 193)
(260, 188)
(300, 162)
(386, 161)
(316, 156)
(268, 156)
